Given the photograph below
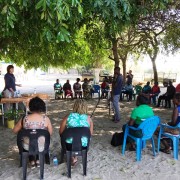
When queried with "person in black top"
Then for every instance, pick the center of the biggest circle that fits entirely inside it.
(67, 89)
(129, 77)
(167, 96)
(10, 85)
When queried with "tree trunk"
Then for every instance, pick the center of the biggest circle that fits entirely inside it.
(124, 69)
(153, 60)
(115, 52)
(154, 69)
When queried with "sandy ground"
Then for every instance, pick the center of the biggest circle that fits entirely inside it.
(104, 161)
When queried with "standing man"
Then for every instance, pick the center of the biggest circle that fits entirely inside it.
(116, 91)
(129, 77)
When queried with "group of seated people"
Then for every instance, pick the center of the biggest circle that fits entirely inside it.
(155, 91)
(67, 90)
(152, 93)
(79, 117)
(85, 90)
(144, 111)
(37, 119)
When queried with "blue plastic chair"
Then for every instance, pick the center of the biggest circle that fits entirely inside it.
(148, 128)
(96, 89)
(175, 138)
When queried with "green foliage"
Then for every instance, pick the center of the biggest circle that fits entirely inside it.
(13, 114)
(64, 33)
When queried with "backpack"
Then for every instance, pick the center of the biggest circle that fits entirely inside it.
(117, 139)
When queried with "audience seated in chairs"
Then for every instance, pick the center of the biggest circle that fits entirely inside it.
(77, 88)
(58, 89)
(95, 90)
(147, 88)
(138, 115)
(155, 92)
(78, 118)
(128, 90)
(174, 122)
(105, 88)
(67, 89)
(178, 88)
(36, 120)
(86, 88)
(167, 96)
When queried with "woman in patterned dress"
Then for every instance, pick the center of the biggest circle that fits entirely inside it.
(37, 119)
(78, 118)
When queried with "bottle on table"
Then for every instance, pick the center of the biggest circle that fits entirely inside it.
(34, 90)
(15, 94)
(55, 161)
(18, 93)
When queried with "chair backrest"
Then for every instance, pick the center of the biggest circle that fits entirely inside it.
(138, 89)
(33, 135)
(149, 126)
(96, 88)
(178, 125)
(76, 134)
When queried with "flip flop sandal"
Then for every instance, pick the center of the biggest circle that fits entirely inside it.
(33, 166)
(167, 151)
(74, 163)
(37, 164)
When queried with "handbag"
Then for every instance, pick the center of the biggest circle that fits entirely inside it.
(117, 139)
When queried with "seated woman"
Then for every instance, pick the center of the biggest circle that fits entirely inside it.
(104, 88)
(138, 115)
(78, 118)
(174, 122)
(155, 92)
(36, 120)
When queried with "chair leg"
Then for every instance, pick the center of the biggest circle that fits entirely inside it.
(62, 157)
(138, 149)
(84, 161)
(47, 158)
(159, 139)
(41, 160)
(143, 144)
(153, 146)
(124, 144)
(20, 158)
(175, 147)
(24, 164)
(69, 155)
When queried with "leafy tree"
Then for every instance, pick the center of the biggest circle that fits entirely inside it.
(155, 28)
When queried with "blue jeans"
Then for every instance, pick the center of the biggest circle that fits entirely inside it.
(154, 98)
(116, 107)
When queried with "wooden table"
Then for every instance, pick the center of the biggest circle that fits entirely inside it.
(24, 99)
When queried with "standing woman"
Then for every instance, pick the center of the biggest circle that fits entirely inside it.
(10, 85)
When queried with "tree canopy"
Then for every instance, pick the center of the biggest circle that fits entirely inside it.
(68, 32)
